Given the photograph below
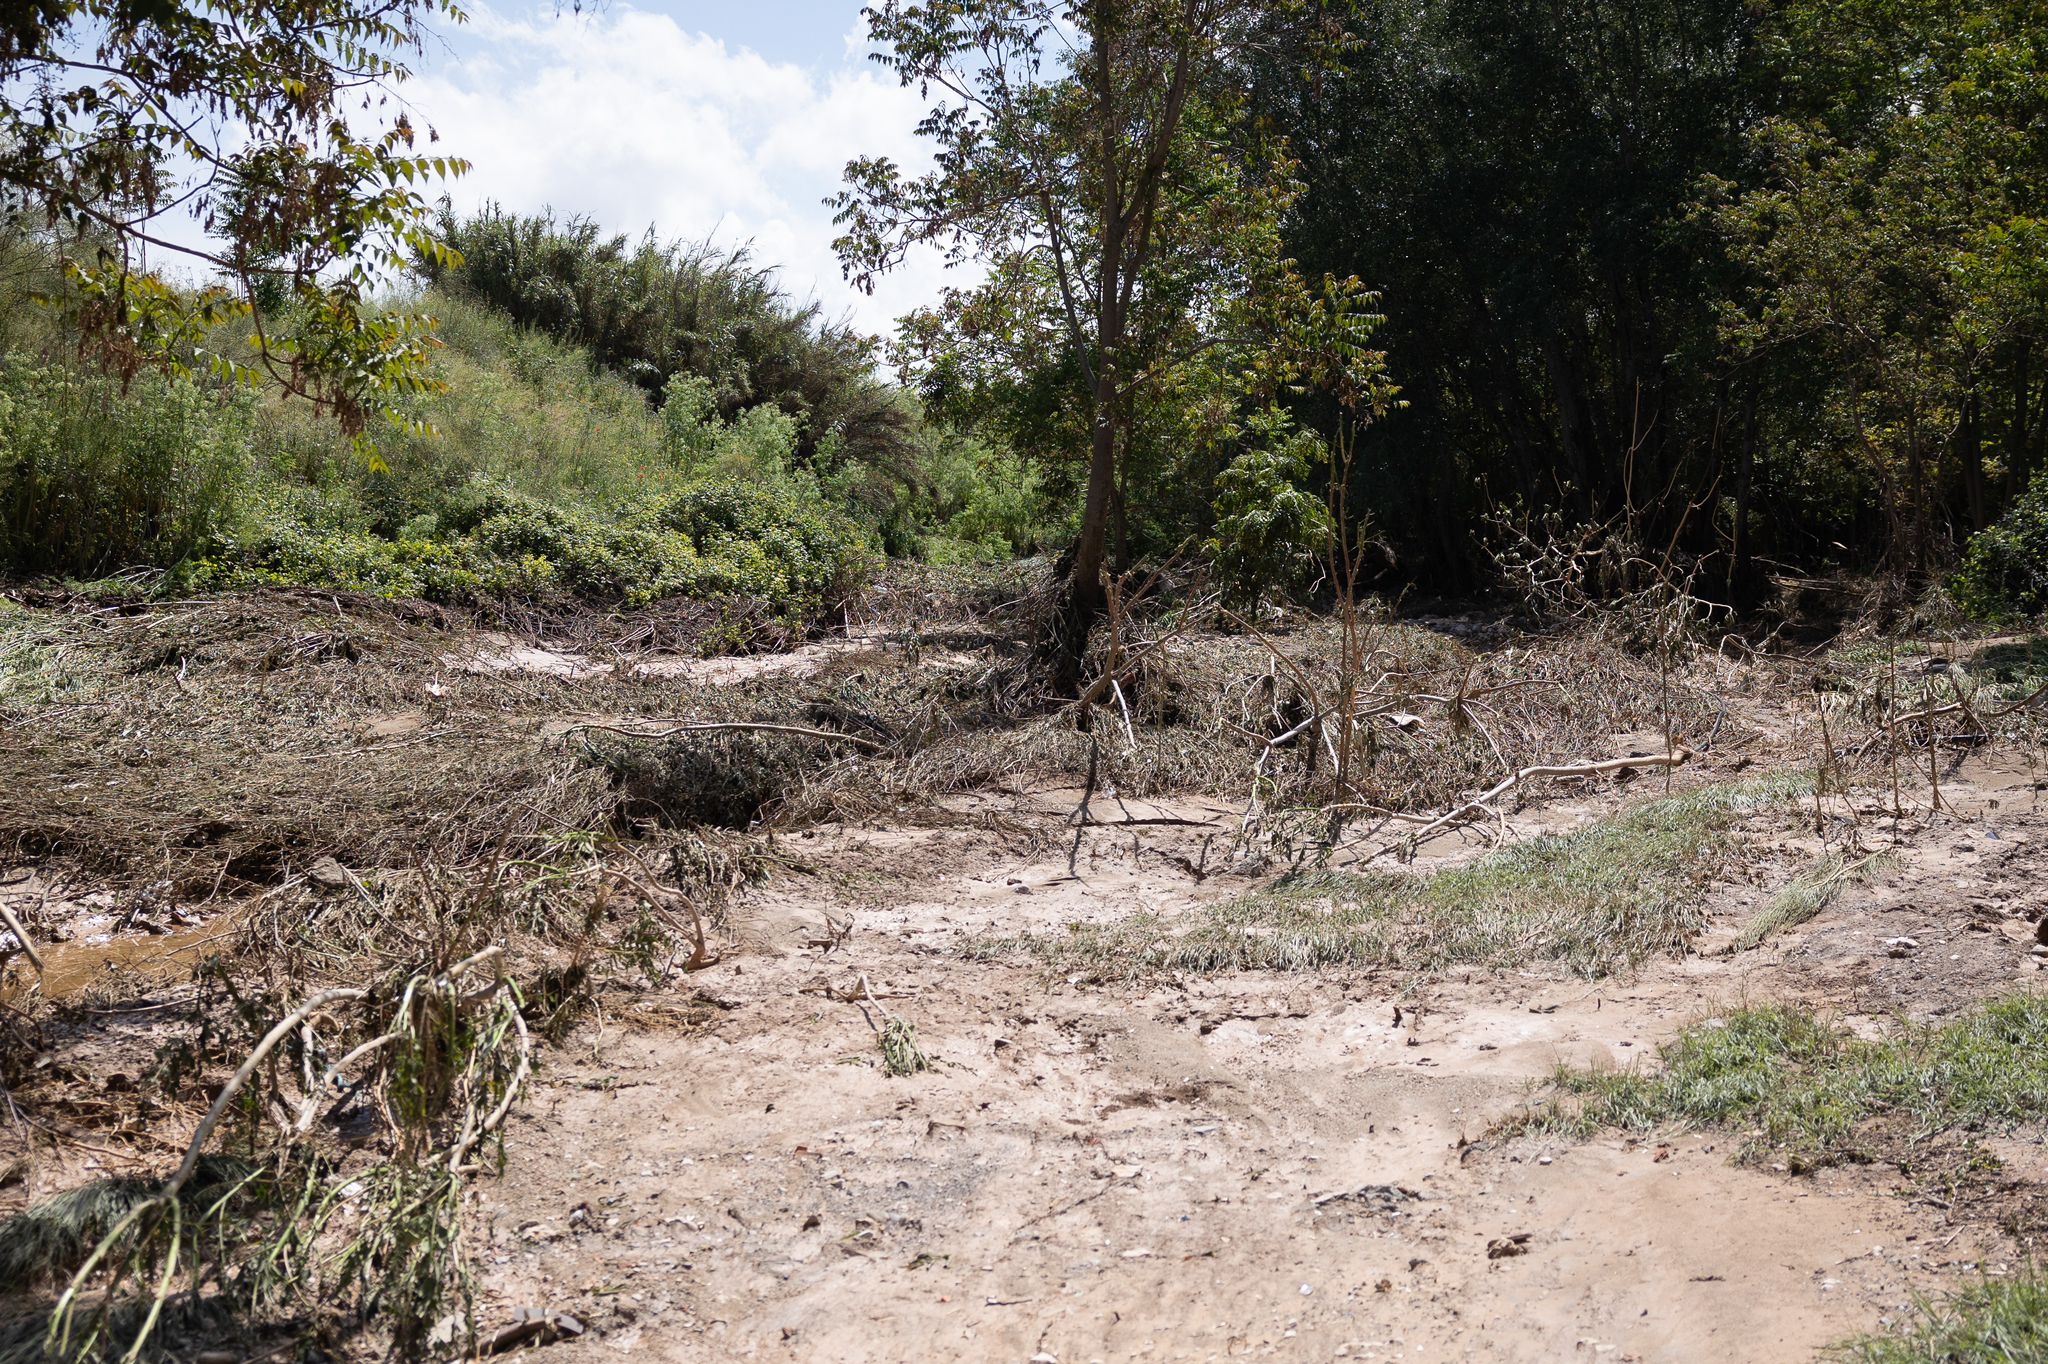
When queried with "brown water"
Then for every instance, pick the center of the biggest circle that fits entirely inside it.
(140, 961)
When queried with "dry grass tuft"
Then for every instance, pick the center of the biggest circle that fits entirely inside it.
(1806, 895)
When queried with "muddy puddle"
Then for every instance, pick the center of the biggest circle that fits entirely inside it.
(88, 940)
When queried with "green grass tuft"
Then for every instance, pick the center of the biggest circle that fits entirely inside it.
(1801, 1085)
(1995, 1322)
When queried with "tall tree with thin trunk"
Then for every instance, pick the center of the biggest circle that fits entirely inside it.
(1057, 127)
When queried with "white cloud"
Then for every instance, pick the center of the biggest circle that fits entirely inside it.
(632, 120)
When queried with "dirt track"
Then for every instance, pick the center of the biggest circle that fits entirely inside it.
(1251, 1166)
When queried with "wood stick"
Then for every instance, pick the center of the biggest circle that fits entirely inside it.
(1100, 686)
(28, 947)
(1170, 821)
(1116, 690)
(1678, 757)
(241, 1077)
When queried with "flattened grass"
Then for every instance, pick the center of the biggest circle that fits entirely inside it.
(1807, 894)
(1995, 1322)
(1593, 901)
(1803, 1086)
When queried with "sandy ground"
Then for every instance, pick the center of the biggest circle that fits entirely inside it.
(1253, 1166)
(1261, 1166)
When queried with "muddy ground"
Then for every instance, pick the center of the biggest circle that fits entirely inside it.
(1294, 1166)
(1253, 1166)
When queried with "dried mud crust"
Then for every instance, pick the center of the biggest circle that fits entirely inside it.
(1252, 1165)
(1958, 914)
(1244, 1164)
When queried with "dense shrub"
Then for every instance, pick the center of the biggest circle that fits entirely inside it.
(535, 475)
(1271, 532)
(653, 311)
(714, 540)
(97, 475)
(2004, 573)
(518, 411)
(994, 504)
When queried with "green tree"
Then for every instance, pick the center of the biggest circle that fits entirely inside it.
(245, 116)
(998, 358)
(1895, 250)
(1080, 162)
(1514, 177)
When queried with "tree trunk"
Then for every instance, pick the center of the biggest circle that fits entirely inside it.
(1083, 597)
(1740, 591)
(1067, 644)
(2016, 430)
(1916, 494)
(1120, 520)
(1575, 436)
(1124, 231)
(1971, 440)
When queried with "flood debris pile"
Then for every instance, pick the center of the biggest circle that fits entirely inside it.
(304, 890)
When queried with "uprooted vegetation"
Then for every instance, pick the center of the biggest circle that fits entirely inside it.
(347, 1056)
(397, 855)
(212, 738)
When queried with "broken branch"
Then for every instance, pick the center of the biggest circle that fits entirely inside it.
(1482, 805)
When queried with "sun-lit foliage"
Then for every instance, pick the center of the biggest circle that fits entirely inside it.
(268, 123)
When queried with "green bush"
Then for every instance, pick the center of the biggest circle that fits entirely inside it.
(996, 502)
(97, 475)
(2004, 574)
(1271, 532)
(535, 475)
(716, 540)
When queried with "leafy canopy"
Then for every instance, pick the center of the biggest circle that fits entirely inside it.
(270, 126)
(1099, 162)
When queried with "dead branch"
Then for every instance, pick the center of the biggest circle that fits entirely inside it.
(1482, 805)
(28, 947)
(1161, 820)
(1095, 690)
(234, 1085)
(648, 886)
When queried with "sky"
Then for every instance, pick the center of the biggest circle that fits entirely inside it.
(703, 118)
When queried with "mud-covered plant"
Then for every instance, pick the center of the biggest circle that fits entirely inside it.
(403, 1262)
(901, 1055)
(439, 1054)
(1808, 893)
